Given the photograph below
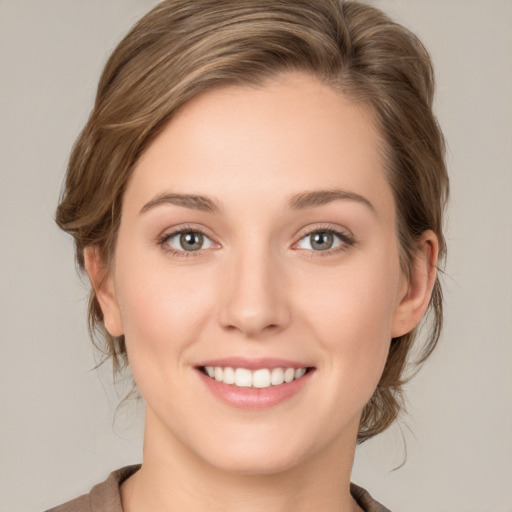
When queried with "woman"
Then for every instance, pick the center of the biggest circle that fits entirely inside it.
(257, 199)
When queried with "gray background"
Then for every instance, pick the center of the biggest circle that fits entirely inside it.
(58, 431)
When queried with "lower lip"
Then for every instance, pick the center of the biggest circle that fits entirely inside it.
(254, 398)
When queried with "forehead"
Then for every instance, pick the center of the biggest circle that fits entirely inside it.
(272, 141)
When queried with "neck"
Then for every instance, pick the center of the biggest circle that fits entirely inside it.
(173, 478)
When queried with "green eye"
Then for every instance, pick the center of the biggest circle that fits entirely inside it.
(191, 241)
(321, 241)
(324, 240)
(187, 241)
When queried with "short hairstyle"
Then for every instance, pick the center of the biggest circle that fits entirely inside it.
(185, 47)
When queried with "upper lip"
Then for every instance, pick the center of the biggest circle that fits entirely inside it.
(254, 363)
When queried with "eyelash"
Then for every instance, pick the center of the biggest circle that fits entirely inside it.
(346, 241)
(180, 254)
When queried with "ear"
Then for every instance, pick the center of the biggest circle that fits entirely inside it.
(103, 284)
(417, 290)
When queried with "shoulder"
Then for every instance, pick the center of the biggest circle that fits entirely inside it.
(106, 497)
(365, 501)
(81, 504)
(103, 497)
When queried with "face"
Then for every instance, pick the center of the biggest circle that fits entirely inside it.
(256, 275)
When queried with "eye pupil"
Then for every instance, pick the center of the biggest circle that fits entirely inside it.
(191, 241)
(322, 241)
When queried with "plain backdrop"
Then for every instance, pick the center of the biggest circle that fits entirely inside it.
(59, 433)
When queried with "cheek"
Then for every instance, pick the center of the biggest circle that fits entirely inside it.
(163, 311)
(351, 311)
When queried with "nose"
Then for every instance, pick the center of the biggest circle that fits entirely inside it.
(254, 298)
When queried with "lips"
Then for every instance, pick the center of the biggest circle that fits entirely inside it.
(254, 383)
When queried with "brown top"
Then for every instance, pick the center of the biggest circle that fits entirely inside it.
(105, 497)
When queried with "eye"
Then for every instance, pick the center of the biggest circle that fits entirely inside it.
(323, 240)
(187, 241)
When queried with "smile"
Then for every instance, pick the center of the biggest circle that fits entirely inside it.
(260, 378)
(254, 383)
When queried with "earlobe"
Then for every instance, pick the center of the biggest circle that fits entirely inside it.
(102, 281)
(416, 297)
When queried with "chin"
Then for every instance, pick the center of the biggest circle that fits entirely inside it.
(258, 462)
(257, 453)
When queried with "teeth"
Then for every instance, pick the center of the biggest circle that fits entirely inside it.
(243, 378)
(277, 376)
(262, 378)
(289, 374)
(300, 372)
(229, 376)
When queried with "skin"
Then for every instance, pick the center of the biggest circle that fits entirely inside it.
(258, 289)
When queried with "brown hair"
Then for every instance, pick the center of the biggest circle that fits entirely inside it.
(184, 47)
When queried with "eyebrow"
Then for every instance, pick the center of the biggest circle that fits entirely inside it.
(192, 201)
(301, 201)
(316, 198)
